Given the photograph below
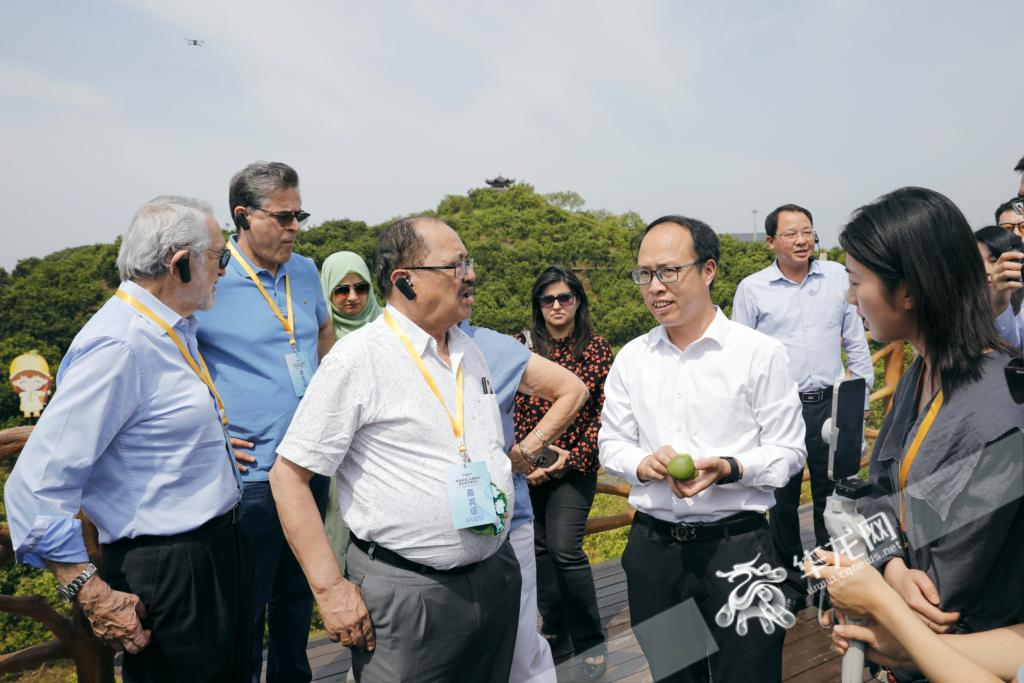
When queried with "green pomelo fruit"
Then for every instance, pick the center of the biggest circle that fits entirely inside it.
(681, 467)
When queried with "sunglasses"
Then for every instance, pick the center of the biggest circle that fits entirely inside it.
(565, 299)
(223, 256)
(361, 288)
(285, 218)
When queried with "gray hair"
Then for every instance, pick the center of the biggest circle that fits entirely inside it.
(252, 186)
(400, 244)
(163, 225)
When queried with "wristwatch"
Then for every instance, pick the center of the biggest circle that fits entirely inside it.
(734, 472)
(70, 591)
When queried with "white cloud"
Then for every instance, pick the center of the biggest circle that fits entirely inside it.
(29, 84)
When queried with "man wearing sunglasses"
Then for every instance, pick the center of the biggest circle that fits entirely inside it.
(263, 341)
(801, 302)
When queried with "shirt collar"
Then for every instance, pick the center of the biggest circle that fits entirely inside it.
(235, 265)
(159, 308)
(421, 341)
(775, 273)
(716, 332)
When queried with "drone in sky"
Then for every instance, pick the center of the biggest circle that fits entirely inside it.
(194, 42)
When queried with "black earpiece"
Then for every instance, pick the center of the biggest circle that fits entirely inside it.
(405, 287)
(816, 240)
(184, 270)
(242, 221)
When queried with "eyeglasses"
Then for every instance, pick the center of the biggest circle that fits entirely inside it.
(361, 288)
(461, 267)
(285, 218)
(666, 274)
(565, 299)
(791, 236)
(1018, 206)
(1011, 226)
(223, 256)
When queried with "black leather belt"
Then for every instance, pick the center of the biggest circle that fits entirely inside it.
(382, 554)
(227, 519)
(685, 532)
(816, 396)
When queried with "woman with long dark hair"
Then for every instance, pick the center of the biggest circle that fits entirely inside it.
(562, 494)
(948, 455)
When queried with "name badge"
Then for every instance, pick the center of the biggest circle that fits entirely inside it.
(469, 495)
(300, 370)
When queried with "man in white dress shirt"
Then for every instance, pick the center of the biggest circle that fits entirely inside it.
(424, 597)
(721, 392)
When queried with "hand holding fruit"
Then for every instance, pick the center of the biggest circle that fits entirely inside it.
(665, 462)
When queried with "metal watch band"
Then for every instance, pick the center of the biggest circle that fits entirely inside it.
(734, 472)
(70, 591)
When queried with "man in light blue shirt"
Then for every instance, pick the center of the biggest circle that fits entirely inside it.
(263, 341)
(134, 437)
(801, 302)
(515, 369)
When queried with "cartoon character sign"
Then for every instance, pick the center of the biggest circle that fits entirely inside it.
(30, 378)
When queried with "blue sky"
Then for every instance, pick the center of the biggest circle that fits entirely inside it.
(712, 109)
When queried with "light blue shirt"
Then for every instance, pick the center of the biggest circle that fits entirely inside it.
(245, 346)
(507, 360)
(812, 319)
(132, 436)
(1011, 327)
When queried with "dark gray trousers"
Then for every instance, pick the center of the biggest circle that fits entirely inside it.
(438, 627)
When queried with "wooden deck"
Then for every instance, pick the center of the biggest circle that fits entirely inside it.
(807, 655)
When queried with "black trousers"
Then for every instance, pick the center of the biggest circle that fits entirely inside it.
(675, 595)
(196, 588)
(784, 519)
(566, 596)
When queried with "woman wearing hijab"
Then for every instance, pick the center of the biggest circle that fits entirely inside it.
(350, 296)
(352, 302)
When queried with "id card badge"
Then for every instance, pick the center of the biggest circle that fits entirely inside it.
(300, 371)
(469, 495)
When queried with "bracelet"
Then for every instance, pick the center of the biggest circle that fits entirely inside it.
(526, 456)
(543, 439)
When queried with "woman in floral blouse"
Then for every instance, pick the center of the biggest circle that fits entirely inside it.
(563, 493)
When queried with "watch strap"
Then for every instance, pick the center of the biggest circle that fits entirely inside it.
(734, 472)
(70, 591)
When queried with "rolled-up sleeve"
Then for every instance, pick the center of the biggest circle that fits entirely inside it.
(99, 389)
(776, 405)
(619, 437)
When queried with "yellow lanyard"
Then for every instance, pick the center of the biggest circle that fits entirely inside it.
(457, 420)
(915, 446)
(203, 372)
(287, 323)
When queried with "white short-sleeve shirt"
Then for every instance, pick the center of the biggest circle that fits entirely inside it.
(369, 419)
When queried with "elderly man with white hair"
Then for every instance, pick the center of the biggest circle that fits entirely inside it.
(135, 436)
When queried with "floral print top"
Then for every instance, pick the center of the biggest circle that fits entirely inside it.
(580, 439)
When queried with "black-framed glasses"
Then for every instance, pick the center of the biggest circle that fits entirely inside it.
(666, 274)
(361, 288)
(1018, 206)
(223, 256)
(565, 299)
(285, 218)
(461, 267)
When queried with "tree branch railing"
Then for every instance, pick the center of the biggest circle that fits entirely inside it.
(94, 661)
(891, 355)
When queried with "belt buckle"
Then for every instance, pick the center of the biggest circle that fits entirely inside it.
(683, 532)
(813, 396)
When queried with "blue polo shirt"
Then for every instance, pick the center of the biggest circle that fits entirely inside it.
(244, 345)
(507, 359)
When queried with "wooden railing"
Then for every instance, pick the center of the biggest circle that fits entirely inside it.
(892, 357)
(94, 661)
